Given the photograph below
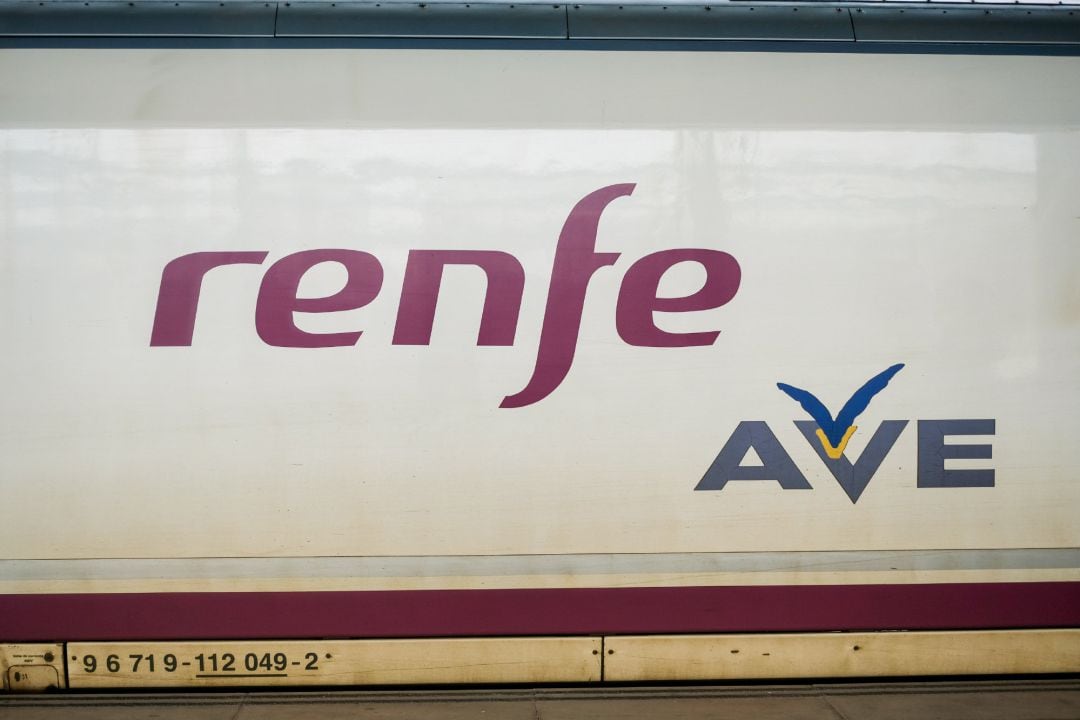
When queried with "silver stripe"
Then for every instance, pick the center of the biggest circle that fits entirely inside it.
(502, 565)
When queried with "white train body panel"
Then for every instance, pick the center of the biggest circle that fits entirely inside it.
(693, 228)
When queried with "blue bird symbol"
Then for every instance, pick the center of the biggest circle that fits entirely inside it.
(835, 433)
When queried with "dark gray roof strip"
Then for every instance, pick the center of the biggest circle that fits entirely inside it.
(709, 22)
(967, 25)
(987, 24)
(110, 18)
(440, 20)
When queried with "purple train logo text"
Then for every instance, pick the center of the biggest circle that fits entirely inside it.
(576, 260)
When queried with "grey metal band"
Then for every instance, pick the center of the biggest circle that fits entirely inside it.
(526, 565)
(862, 24)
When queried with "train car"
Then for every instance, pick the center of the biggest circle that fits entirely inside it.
(377, 343)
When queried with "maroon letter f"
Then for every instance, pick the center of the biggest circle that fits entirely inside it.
(575, 262)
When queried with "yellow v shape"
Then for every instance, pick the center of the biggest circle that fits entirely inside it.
(835, 452)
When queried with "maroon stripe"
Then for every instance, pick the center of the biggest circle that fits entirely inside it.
(440, 613)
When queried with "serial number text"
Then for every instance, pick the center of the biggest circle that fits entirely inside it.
(224, 664)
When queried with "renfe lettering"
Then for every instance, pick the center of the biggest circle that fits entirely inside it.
(576, 261)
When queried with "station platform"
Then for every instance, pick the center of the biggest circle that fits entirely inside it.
(1055, 699)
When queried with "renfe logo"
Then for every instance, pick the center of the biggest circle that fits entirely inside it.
(829, 437)
(576, 260)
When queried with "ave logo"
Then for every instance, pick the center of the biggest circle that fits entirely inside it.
(829, 436)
